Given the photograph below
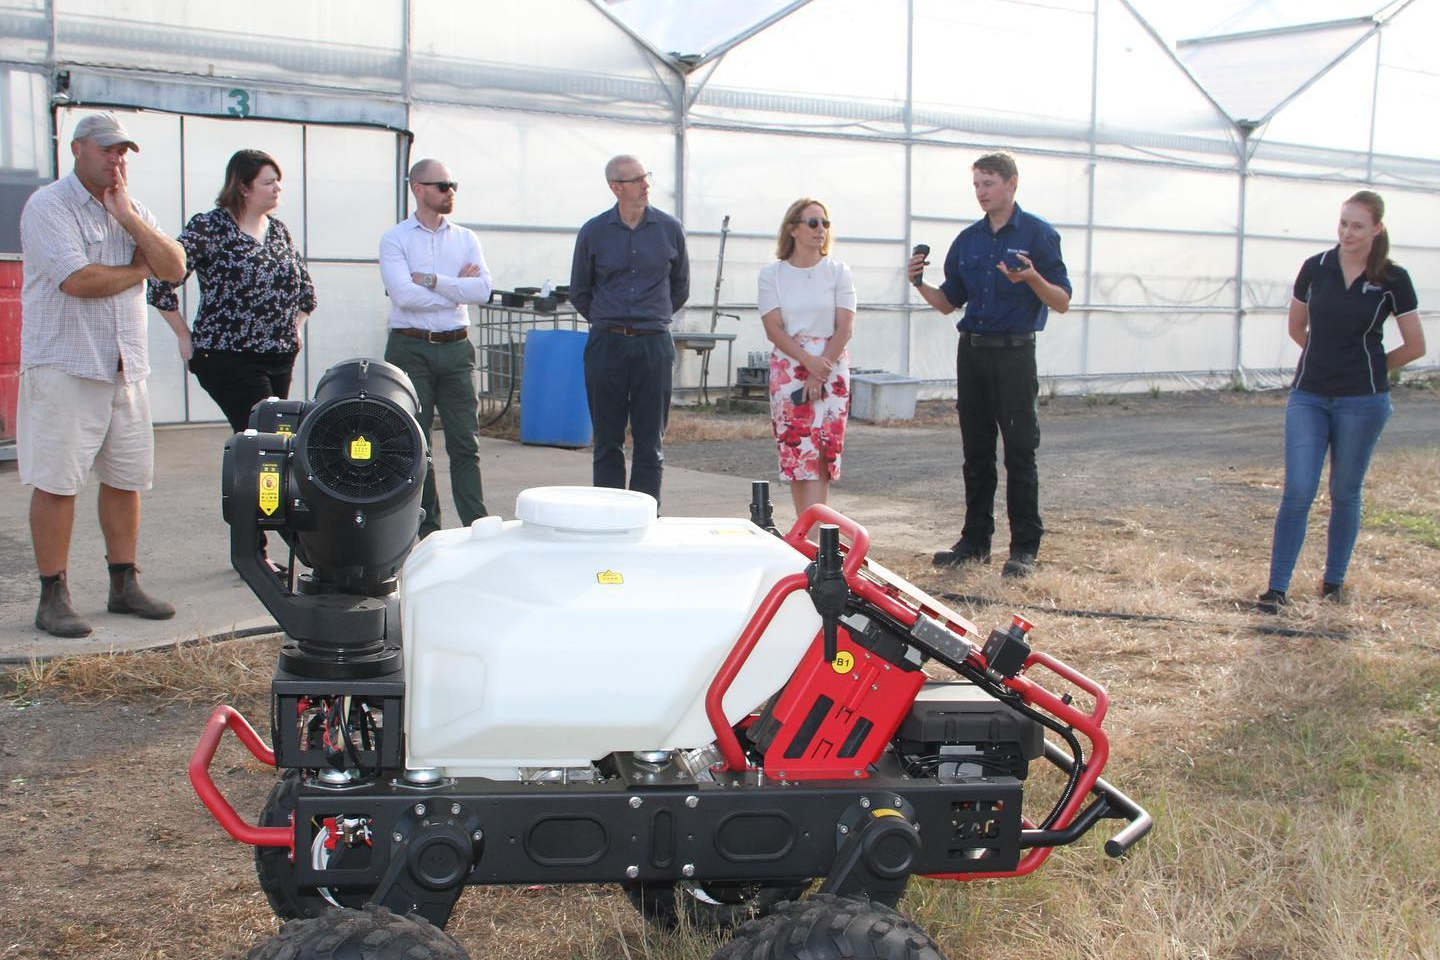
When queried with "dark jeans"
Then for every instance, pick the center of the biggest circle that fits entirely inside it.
(628, 379)
(997, 391)
(444, 379)
(237, 380)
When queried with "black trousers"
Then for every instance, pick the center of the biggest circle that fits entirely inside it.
(627, 379)
(237, 380)
(997, 389)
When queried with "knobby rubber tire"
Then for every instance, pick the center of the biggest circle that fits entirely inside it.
(662, 904)
(373, 933)
(277, 874)
(827, 927)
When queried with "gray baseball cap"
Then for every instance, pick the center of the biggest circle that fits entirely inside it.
(105, 130)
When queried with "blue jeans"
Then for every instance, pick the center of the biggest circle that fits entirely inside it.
(1349, 428)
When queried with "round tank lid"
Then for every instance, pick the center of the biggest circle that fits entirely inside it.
(590, 509)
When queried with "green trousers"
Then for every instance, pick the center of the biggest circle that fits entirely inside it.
(444, 378)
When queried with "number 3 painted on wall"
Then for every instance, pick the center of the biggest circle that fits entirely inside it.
(239, 103)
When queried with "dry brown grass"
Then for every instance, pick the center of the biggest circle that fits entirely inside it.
(200, 672)
(1292, 777)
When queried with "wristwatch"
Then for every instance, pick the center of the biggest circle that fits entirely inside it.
(427, 280)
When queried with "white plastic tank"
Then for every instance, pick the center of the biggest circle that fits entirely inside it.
(586, 626)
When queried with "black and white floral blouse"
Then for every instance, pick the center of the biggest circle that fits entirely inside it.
(250, 292)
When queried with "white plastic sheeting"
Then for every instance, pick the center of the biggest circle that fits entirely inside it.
(1187, 179)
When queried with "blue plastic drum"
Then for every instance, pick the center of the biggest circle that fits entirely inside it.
(553, 409)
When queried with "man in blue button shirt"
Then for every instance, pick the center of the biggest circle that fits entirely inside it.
(1006, 271)
(630, 274)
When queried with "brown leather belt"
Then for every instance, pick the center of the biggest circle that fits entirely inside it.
(630, 331)
(433, 336)
(997, 339)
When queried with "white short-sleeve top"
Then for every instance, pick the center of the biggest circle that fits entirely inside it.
(807, 296)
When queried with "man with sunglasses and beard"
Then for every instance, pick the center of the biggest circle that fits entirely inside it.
(1006, 271)
(629, 276)
(432, 268)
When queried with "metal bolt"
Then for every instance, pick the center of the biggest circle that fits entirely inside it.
(632, 871)
(856, 773)
(635, 803)
(455, 809)
(398, 837)
(865, 802)
(899, 801)
(688, 869)
(844, 829)
(419, 809)
(874, 686)
(692, 801)
(478, 835)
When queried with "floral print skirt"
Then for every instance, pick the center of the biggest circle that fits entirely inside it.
(807, 434)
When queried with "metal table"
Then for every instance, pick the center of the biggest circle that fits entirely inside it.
(703, 343)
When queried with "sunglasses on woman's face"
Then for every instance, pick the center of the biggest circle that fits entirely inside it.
(812, 223)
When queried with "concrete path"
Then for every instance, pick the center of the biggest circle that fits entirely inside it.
(184, 543)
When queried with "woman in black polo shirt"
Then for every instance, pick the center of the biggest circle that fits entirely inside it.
(1340, 398)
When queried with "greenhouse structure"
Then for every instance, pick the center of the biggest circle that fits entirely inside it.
(1191, 156)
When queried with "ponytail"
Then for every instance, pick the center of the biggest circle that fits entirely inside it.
(1377, 265)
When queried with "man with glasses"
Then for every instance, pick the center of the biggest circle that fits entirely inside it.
(630, 275)
(432, 268)
(1006, 271)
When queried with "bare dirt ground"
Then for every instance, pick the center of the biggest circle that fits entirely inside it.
(1292, 774)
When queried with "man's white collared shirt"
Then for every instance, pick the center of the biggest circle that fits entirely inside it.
(411, 247)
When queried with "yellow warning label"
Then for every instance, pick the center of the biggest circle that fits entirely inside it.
(886, 812)
(844, 662)
(283, 428)
(610, 578)
(269, 488)
(360, 448)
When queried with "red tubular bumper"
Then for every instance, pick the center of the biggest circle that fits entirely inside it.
(222, 719)
(905, 604)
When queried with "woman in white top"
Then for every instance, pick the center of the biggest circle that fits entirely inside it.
(807, 303)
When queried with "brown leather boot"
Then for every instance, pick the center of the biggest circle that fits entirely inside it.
(55, 615)
(127, 597)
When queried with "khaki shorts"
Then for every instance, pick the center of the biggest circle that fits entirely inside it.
(66, 425)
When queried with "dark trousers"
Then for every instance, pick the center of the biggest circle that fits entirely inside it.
(237, 380)
(997, 391)
(444, 379)
(627, 379)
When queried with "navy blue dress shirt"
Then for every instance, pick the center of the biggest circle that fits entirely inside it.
(1344, 353)
(636, 278)
(992, 303)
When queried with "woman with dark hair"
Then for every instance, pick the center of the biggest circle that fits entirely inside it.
(807, 304)
(1340, 398)
(255, 293)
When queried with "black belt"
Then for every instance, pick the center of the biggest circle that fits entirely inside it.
(433, 336)
(997, 339)
(630, 331)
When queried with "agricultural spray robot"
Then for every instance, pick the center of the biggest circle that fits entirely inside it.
(712, 715)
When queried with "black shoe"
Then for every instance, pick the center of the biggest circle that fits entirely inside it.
(960, 554)
(1271, 601)
(1019, 565)
(1334, 592)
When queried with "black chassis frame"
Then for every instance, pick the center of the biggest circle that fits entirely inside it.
(643, 823)
(619, 831)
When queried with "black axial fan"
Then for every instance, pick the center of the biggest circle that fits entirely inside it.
(340, 481)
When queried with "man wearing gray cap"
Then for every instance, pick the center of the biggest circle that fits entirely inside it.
(84, 357)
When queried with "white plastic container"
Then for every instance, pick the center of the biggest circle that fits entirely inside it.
(883, 396)
(585, 627)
